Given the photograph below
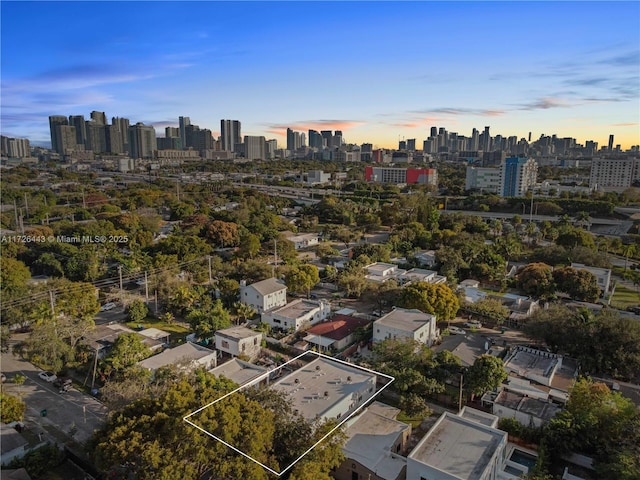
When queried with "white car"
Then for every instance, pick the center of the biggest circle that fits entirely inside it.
(457, 331)
(107, 306)
(141, 282)
(48, 376)
(473, 324)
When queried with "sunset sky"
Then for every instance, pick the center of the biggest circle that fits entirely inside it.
(378, 71)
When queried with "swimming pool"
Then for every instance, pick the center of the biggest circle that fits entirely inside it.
(523, 458)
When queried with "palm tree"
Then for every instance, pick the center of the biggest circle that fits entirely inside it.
(496, 227)
(628, 250)
(244, 310)
(583, 218)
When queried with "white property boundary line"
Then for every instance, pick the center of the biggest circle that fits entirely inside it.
(265, 375)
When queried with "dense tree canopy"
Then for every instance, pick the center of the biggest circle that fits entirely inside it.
(438, 300)
(486, 374)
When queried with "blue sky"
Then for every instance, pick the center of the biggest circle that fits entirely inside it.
(378, 71)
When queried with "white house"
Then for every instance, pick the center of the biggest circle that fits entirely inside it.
(381, 272)
(304, 240)
(603, 276)
(264, 295)
(297, 314)
(404, 323)
(188, 355)
(237, 341)
(426, 258)
(421, 275)
(459, 447)
(327, 389)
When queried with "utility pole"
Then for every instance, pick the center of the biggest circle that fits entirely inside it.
(53, 303)
(146, 287)
(460, 397)
(84, 205)
(15, 209)
(210, 274)
(120, 275)
(26, 204)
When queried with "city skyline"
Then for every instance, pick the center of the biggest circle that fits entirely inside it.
(377, 71)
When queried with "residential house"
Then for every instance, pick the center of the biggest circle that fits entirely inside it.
(405, 323)
(102, 338)
(186, 356)
(459, 447)
(304, 240)
(603, 276)
(381, 272)
(420, 275)
(264, 295)
(156, 334)
(549, 375)
(426, 258)
(336, 334)
(236, 341)
(327, 389)
(298, 314)
(525, 409)
(239, 371)
(375, 445)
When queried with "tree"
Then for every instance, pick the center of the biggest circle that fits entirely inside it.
(128, 349)
(414, 405)
(302, 278)
(438, 300)
(13, 276)
(249, 245)
(223, 234)
(11, 408)
(490, 308)
(137, 311)
(244, 310)
(599, 423)
(486, 374)
(209, 317)
(579, 284)
(536, 279)
(353, 282)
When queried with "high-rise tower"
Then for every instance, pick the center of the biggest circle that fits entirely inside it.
(230, 134)
(55, 121)
(183, 122)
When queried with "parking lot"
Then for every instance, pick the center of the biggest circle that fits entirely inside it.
(71, 415)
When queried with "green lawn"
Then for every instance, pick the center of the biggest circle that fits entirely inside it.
(624, 297)
(177, 330)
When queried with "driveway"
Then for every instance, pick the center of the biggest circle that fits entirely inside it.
(69, 415)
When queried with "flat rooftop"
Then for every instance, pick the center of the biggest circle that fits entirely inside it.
(479, 416)
(528, 362)
(237, 333)
(321, 384)
(296, 309)
(458, 446)
(378, 268)
(187, 352)
(405, 319)
(370, 438)
(339, 327)
(238, 371)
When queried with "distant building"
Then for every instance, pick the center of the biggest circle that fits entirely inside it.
(404, 323)
(426, 258)
(485, 179)
(236, 341)
(381, 272)
(614, 174)
(518, 175)
(264, 295)
(255, 148)
(325, 389)
(142, 141)
(304, 240)
(230, 133)
(425, 176)
(421, 275)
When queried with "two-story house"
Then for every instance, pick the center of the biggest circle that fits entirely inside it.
(264, 295)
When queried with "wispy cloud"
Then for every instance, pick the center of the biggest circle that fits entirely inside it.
(630, 124)
(461, 111)
(545, 103)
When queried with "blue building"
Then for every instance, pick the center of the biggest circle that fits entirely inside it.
(518, 175)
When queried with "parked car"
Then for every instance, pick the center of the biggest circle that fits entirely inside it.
(141, 282)
(107, 306)
(3, 377)
(457, 331)
(48, 376)
(473, 324)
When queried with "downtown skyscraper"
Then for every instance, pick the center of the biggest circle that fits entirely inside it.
(230, 134)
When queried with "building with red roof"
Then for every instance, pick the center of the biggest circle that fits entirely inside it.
(336, 334)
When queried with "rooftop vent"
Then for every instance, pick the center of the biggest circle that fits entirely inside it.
(349, 378)
(317, 367)
(297, 380)
(326, 393)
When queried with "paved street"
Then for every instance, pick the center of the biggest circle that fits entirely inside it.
(65, 412)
